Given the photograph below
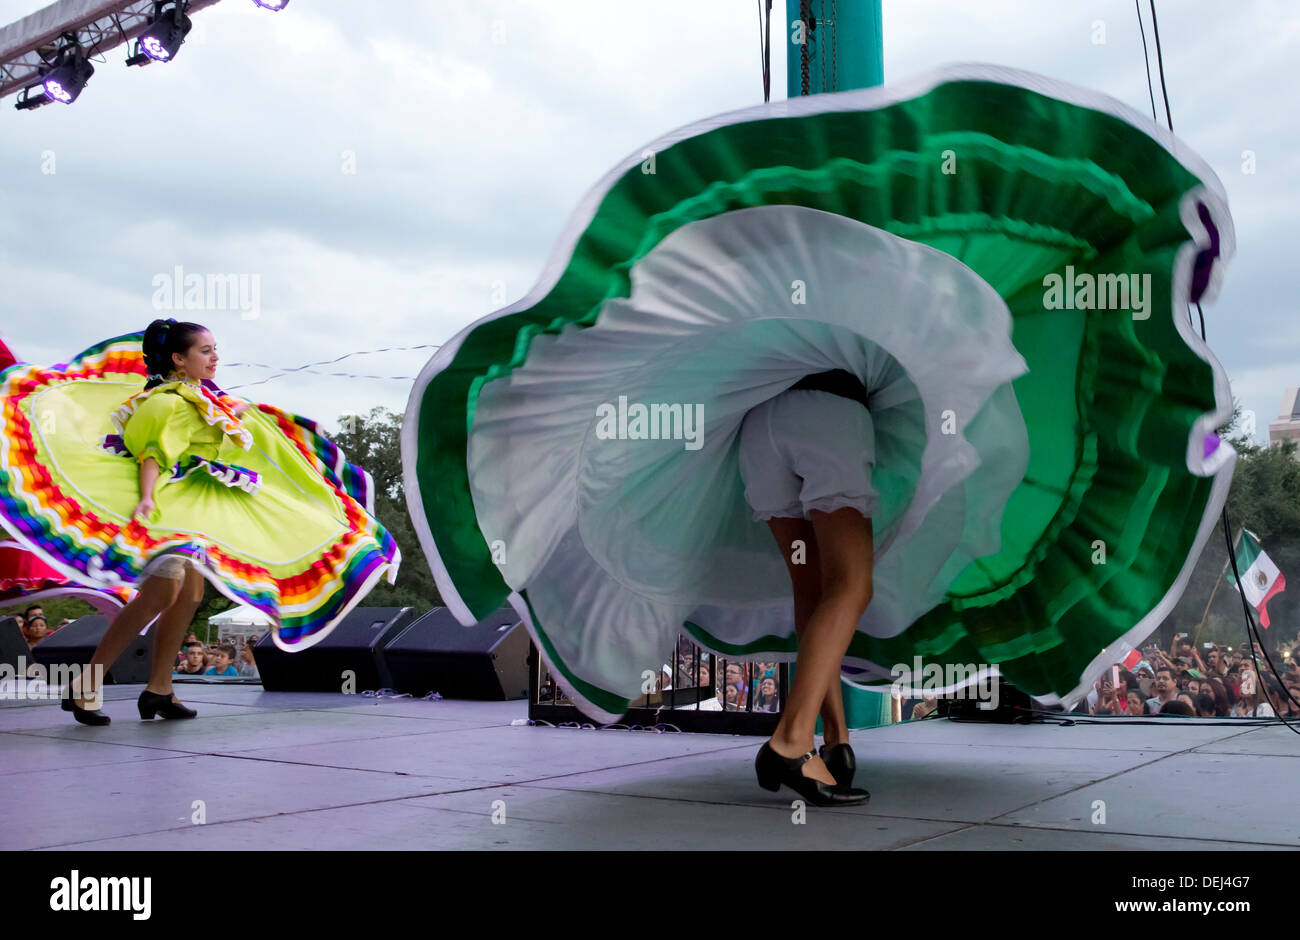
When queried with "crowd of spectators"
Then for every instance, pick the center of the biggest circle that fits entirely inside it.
(226, 659)
(34, 625)
(1211, 682)
(745, 686)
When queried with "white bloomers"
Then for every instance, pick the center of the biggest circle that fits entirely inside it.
(171, 567)
(806, 450)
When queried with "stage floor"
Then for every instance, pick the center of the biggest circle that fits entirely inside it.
(328, 771)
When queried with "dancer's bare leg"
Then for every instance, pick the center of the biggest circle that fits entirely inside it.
(844, 542)
(170, 629)
(798, 544)
(156, 595)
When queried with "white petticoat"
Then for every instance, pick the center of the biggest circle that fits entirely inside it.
(621, 528)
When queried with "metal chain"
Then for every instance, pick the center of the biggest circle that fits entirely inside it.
(835, 81)
(805, 14)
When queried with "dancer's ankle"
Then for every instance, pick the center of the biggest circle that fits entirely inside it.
(788, 746)
(834, 736)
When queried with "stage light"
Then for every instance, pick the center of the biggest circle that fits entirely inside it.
(65, 81)
(272, 4)
(164, 36)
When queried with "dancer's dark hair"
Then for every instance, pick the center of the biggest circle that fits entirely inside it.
(161, 339)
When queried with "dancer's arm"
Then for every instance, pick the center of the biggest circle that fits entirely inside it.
(158, 435)
(148, 479)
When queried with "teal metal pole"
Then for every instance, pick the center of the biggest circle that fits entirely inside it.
(832, 45)
(836, 45)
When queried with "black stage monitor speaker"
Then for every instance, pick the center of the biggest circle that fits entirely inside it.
(75, 643)
(13, 644)
(488, 661)
(353, 646)
(1013, 706)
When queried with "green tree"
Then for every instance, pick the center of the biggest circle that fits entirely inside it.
(1264, 498)
(56, 609)
(373, 441)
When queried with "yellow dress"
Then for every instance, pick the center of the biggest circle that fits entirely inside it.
(264, 506)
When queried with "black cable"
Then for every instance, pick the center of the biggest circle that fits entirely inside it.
(765, 49)
(1146, 59)
(1160, 62)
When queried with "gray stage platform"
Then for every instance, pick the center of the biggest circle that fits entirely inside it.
(323, 771)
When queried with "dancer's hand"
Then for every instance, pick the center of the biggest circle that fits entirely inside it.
(143, 510)
(241, 408)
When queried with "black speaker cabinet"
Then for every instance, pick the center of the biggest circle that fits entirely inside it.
(13, 645)
(75, 643)
(1013, 706)
(353, 646)
(488, 661)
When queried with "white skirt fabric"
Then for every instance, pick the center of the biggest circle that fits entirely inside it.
(807, 450)
(605, 472)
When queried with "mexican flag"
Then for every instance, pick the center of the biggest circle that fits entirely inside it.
(1260, 579)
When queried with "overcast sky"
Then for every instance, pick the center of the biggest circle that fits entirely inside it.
(475, 127)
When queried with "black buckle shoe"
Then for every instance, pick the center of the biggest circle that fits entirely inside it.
(842, 764)
(773, 770)
(83, 715)
(151, 704)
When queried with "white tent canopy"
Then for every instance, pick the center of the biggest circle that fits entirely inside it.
(240, 621)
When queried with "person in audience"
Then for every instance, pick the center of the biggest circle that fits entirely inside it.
(223, 664)
(1205, 703)
(766, 700)
(1165, 688)
(1135, 704)
(1177, 706)
(247, 665)
(1218, 689)
(35, 629)
(193, 665)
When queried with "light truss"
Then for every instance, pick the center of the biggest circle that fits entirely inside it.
(33, 42)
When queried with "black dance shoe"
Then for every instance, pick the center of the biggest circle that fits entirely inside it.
(841, 763)
(773, 770)
(151, 704)
(83, 715)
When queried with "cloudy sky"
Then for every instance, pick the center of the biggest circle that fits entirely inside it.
(391, 172)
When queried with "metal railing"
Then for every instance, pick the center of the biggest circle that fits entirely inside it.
(699, 692)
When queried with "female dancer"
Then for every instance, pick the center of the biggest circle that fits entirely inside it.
(163, 429)
(160, 506)
(793, 238)
(807, 476)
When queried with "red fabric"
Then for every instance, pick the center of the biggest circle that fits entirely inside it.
(6, 357)
(19, 568)
(1279, 585)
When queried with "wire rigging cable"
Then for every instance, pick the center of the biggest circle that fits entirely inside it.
(309, 368)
